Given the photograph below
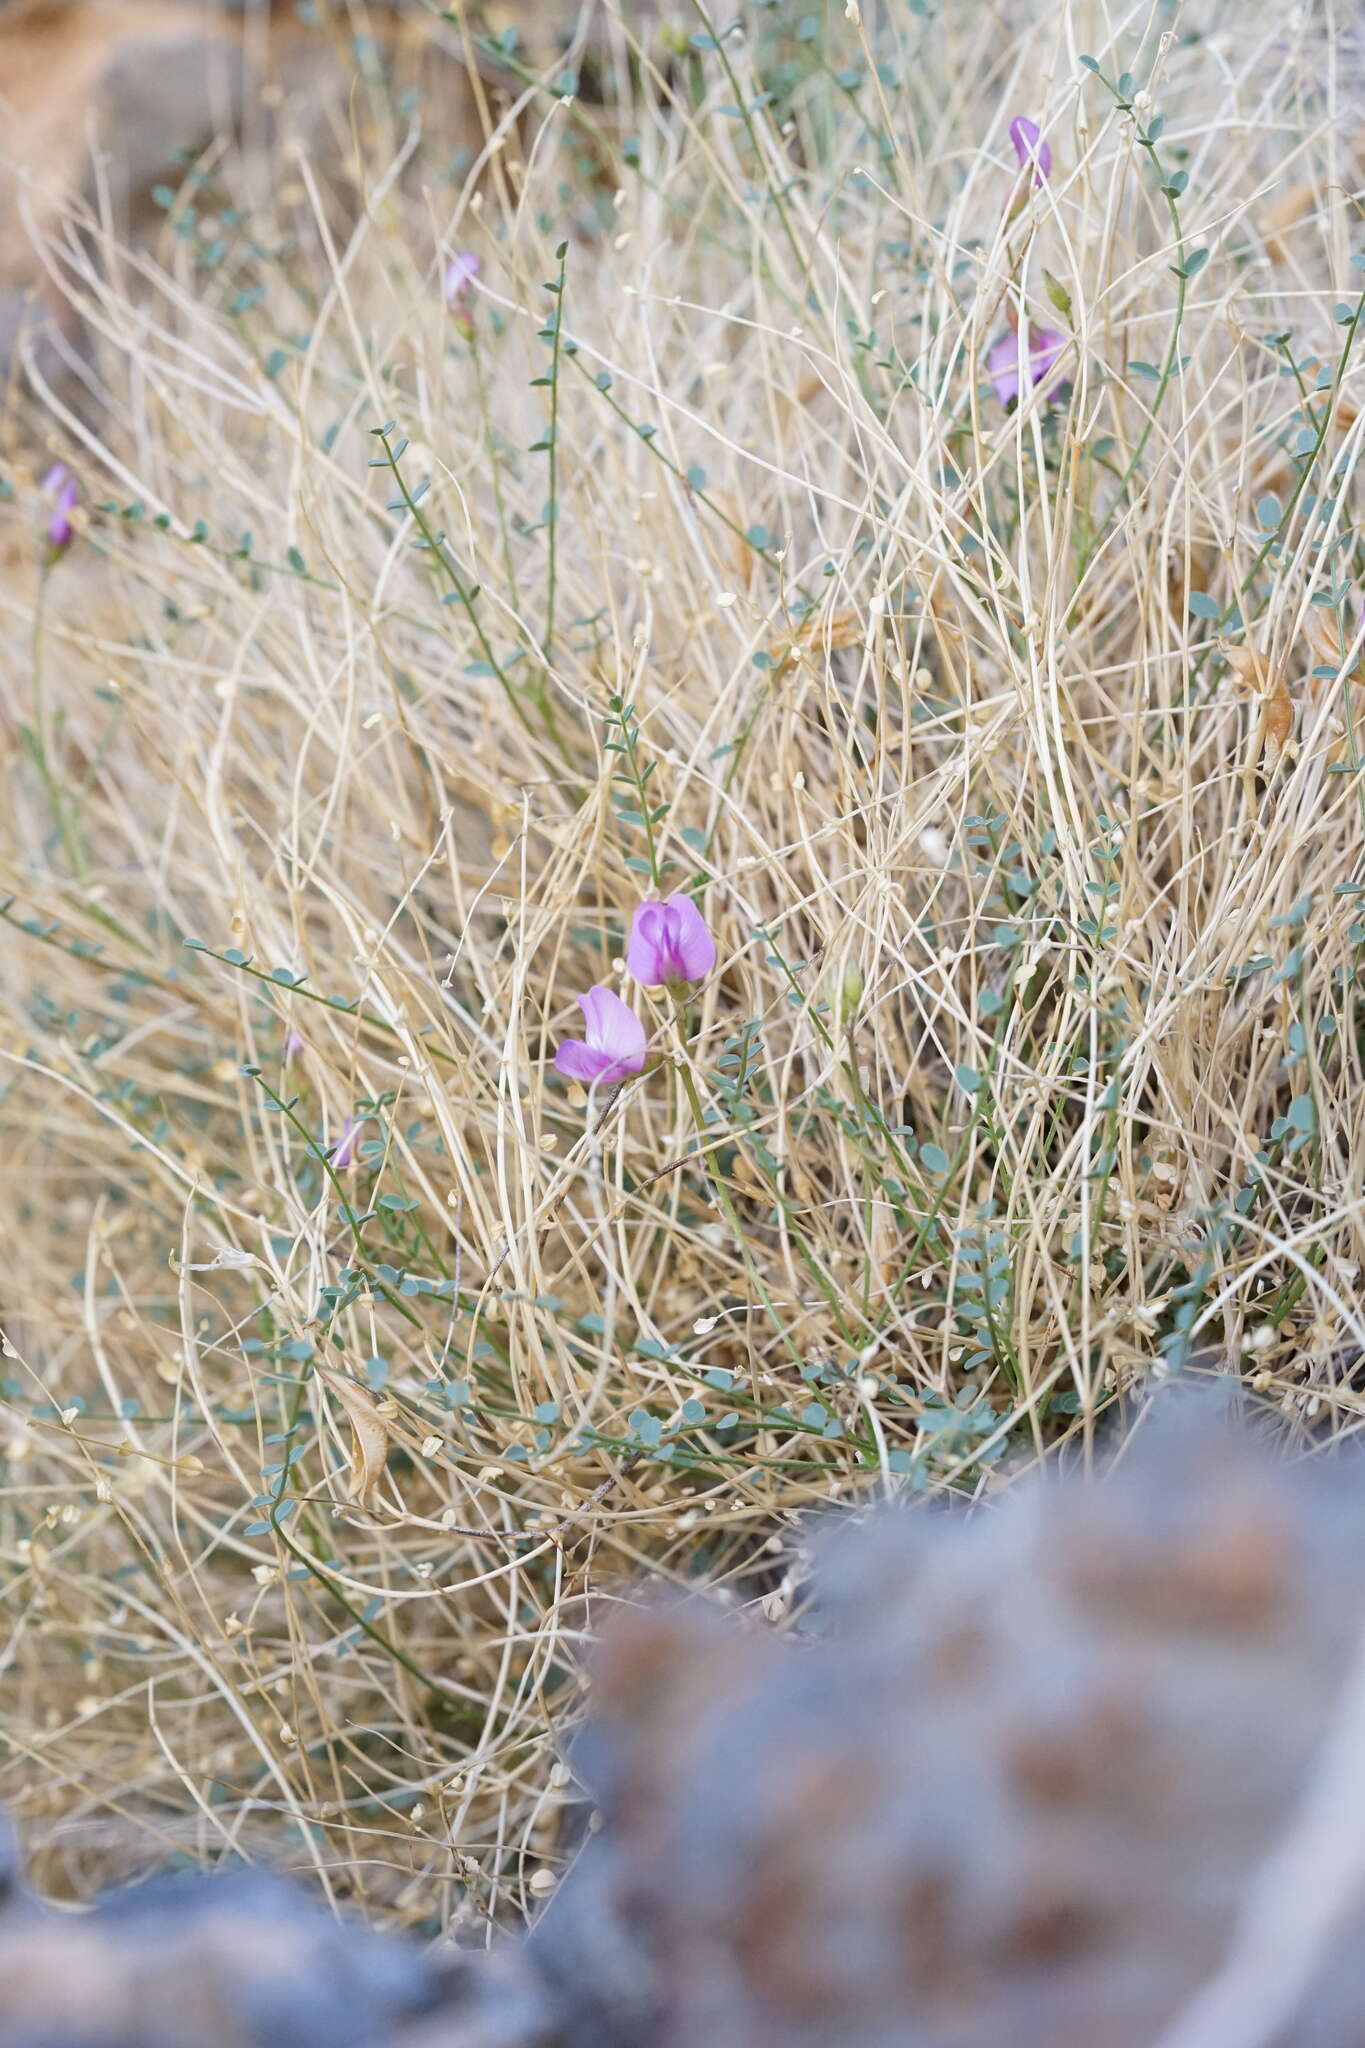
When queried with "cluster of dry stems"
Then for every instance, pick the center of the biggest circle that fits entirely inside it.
(899, 663)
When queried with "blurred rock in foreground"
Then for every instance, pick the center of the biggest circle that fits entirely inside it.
(1077, 1770)
(104, 104)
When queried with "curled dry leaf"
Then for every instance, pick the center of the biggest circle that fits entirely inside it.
(369, 1433)
(845, 629)
(742, 553)
(1255, 673)
(1347, 411)
(1277, 719)
(888, 1244)
(1191, 566)
(1326, 651)
(820, 634)
(1247, 666)
(1325, 644)
(809, 388)
(1293, 204)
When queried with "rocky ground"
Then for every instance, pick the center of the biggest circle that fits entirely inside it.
(1077, 1770)
(101, 101)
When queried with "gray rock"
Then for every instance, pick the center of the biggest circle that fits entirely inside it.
(1006, 1788)
(245, 1958)
(161, 100)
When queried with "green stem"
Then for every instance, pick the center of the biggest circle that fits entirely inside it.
(435, 545)
(719, 1189)
(552, 511)
(38, 742)
(349, 1217)
(1146, 140)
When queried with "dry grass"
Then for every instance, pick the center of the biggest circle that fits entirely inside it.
(1035, 873)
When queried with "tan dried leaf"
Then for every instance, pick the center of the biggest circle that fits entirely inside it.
(1247, 666)
(1325, 645)
(820, 634)
(809, 388)
(888, 1244)
(741, 554)
(1324, 642)
(1347, 411)
(1277, 719)
(845, 629)
(1286, 212)
(369, 1433)
(1255, 673)
(1325, 650)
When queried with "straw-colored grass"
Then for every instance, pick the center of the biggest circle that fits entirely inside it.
(1013, 758)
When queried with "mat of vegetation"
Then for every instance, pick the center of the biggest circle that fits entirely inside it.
(883, 480)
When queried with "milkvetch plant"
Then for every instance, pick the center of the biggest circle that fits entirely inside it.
(709, 606)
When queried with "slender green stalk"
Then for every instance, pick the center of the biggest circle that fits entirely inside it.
(552, 509)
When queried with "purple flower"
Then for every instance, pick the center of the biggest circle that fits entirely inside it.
(1030, 147)
(461, 272)
(343, 1152)
(293, 1045)
(62, 490)
(669, 943)
(1045, 344)
(615, 1040)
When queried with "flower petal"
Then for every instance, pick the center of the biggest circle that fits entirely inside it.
(60, 531)
(344, 1151)
(692, 947)
(1002, 366)
(579, 1062)
(669, 941)
(614, 1028)
(1044, 347)
(646, 954)
(1030, 147)
(461, 272)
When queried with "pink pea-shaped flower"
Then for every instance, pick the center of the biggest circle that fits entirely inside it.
(343, 1153)
(1005, 362)
(62, 491)
(612, 1047)
(1030, 147)
(461, 272)
(669, 943)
